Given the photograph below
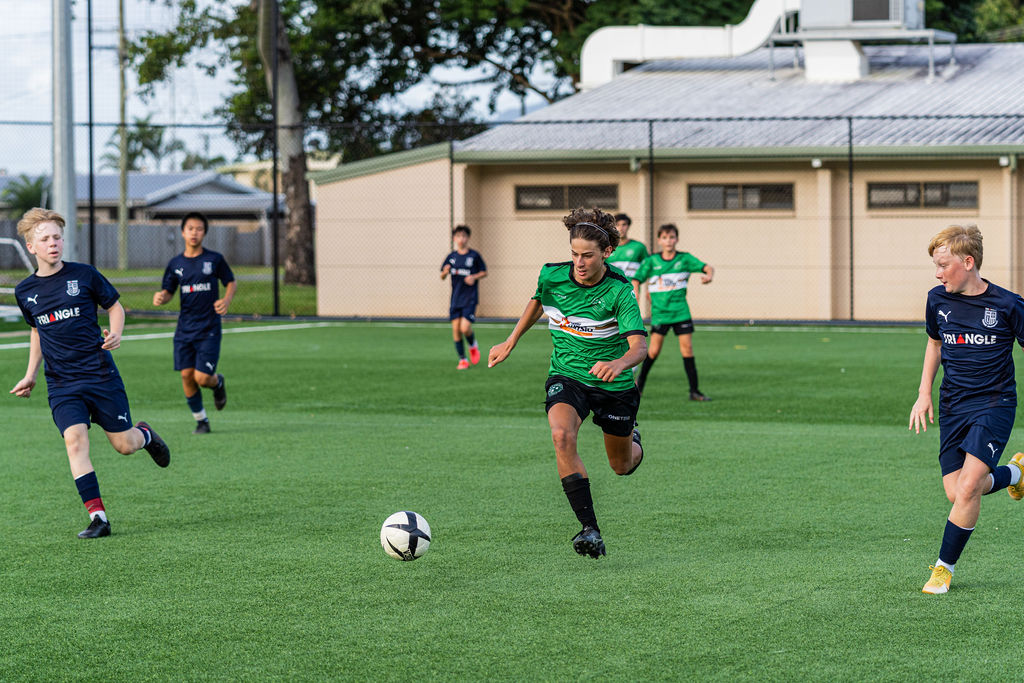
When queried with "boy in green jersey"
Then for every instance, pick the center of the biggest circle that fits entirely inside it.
(597, 334)
(667, 275)
(628, 256)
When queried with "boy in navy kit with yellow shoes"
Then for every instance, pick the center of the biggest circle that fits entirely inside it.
(972, 325)
(196, 271)
(59, 302)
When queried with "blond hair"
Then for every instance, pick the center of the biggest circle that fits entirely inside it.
(33, 218)
(961, 240)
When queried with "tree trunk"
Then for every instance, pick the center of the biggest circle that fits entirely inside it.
(299, 265)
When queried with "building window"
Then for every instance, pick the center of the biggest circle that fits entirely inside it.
(564, 197)
(740, 197)
(923, 195)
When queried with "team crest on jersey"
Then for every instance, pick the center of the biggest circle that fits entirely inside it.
(989, 319)
(207, 267)
(469, 261)
(73, 288)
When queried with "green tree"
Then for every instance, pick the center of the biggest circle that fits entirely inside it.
(26, 193)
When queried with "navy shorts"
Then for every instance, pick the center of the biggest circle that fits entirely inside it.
(102, 403)
(614, 411)
(467, 312)
(684, 327)
(201, 354)
(983, 433)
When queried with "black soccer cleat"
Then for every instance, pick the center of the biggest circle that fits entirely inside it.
(589, 542)
(697, 396)
(220, 393)
(636, 440)
(97, 527)
(157, 449)
(202, 427)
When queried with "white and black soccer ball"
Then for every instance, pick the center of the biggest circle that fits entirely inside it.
(405, 535)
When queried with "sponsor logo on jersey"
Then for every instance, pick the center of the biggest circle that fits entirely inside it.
(72, 287)
(180, 272)
(989, 319)
(58, 315)
(972, 338)
(207, 267)
(578, 326)
(462, 271)
(122, 417)
(32, 299)
(197, 287)
(945, 315)
(668, 282)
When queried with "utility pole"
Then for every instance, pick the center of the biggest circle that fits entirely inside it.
(122, 197)
(63, 128)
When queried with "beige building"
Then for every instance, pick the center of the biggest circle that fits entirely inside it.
(752, 164)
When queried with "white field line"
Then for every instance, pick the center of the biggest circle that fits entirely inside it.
(426, 325)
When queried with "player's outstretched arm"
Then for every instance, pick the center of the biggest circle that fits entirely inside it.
(162, 297)
(923, 412)
(635, 354)
(112, 336)
(23, 389)
(221, 305)
(500, 352)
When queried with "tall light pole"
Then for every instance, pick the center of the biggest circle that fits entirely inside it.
(63, 128)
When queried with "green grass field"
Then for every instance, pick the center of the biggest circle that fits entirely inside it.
(782, 531)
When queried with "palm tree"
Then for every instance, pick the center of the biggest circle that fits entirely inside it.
(145, 140)
(26, 193)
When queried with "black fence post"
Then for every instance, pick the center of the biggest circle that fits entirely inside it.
(849, 190)
(650, 183)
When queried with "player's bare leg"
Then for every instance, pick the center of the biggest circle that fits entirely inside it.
(76, 440)
(624, 452)
(964, 488)
(215, 382)
(565, 426)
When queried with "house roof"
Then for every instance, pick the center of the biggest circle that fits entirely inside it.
(985, 81)
(206, 191)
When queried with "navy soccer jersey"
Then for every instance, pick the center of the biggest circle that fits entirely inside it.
(977, 335)
(62, 307)
(196, 279)
(470, 263)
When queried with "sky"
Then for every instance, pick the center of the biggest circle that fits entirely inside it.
(26, 86)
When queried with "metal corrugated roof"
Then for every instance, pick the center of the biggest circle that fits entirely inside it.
(984, 80)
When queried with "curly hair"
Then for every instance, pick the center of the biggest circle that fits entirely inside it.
(594, 225)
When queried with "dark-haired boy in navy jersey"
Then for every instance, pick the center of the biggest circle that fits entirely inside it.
(971, 325)
(197, 337)
(467, 268)
(59, 302)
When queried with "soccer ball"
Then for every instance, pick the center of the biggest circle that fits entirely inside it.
(405, 535)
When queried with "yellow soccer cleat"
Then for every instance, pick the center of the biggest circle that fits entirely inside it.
(939, 583)
(1017, 491)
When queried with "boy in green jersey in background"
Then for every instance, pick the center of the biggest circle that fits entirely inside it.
(597, 334)
(667, 275)
(628, 256)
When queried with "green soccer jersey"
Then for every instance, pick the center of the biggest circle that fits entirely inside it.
(628, 257)
(667, 281)
(588, 324)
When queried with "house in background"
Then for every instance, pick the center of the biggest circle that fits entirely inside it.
(239, 215)
(771, 202)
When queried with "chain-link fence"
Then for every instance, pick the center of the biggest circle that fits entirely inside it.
(804, 218)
